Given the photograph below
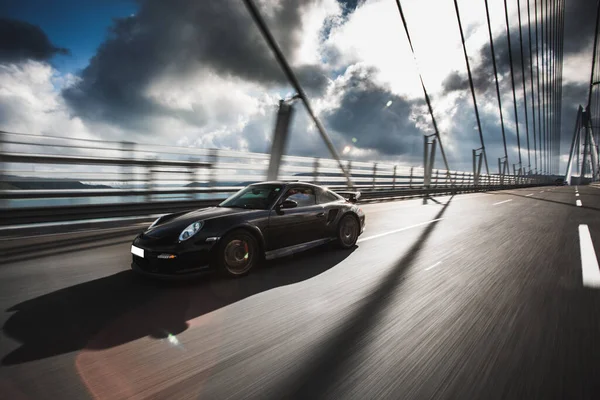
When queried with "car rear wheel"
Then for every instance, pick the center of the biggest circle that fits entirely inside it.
(238, 254)
(348, 231)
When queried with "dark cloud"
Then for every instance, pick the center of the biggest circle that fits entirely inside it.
(395, 130)
(364, 116)
(483, 71)
(580, 20)
(20, 40)
(455, 82)
(579, 25)
(348, 6)
(179, 38)
(573, 95)
(578, 35)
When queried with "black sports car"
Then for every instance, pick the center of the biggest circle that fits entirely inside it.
(262, 221)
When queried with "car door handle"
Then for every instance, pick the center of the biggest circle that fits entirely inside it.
(320, 215)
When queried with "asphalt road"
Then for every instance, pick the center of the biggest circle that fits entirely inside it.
(479, 296)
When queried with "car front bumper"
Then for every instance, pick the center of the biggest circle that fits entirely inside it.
(181, 260)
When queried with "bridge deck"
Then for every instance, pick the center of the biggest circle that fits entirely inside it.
(487, 302)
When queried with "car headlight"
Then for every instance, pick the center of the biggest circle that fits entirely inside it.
(154, 223)
(190, 231)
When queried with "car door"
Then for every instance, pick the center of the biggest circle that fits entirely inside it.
(332, 207)
(294, 226)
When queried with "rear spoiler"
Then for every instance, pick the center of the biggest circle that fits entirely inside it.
(352, 197)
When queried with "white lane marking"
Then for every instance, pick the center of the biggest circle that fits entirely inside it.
(464, 197)
(576, 188)
(530, 194)
(578, 202)
(397, 230)
(542, 191)
(399, 204)
(589, 263)
(433, 266)
(500, 202)
(576, 194)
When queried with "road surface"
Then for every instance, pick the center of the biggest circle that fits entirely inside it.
(478, 296)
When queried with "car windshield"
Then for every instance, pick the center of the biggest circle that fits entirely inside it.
(255, 197)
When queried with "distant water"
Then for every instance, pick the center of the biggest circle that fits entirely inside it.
(73, 201)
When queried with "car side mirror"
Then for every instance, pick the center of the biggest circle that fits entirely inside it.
(289, 204)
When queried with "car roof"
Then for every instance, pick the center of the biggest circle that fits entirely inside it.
(288, 183)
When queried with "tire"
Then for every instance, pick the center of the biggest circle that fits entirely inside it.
(348, 231)
(238, 254)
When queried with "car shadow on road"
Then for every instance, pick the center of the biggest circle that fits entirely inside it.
(332, 356)
(123, 307)
(24, 250)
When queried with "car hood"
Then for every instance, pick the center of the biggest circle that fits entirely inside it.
(175, 223)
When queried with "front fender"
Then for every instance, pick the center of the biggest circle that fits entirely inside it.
(252, 229)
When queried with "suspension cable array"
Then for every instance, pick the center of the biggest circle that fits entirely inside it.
(544, 40)
(512, 78)
(462, 36)
(545, 78)
(523, 75)
(502, 170)
(532, 87)
(586, 133)
(427, 99)
(262, 26)
(537, 74)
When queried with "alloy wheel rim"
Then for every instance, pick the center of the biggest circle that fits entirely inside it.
(349, 231)
(237, 256)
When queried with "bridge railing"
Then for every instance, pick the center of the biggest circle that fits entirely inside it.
(57, 173)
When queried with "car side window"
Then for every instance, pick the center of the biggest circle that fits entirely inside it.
(303, 196)
(325, 196)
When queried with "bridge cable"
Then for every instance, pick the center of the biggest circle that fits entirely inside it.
(427, 100)
(512, 76)
(549, 71)
(547, 48)
(597, 78)
(553, 92)
(524, 85)
(535, 156)
(597, 55)
(555, 79)
(558, 80)
(548, 87)
(594, 63)
(549, 81)
(562, 57)
(594, 60)
(462, 36)
(487, 13)
(537, 73)
(543, 73)
(595, 75)
(550, 84)
(295, 83)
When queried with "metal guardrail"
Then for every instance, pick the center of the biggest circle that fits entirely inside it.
(36, 215)
(48, 178)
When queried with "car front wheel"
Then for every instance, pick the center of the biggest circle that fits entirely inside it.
(238, 254)
(348, 231)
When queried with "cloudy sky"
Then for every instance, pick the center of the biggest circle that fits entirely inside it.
(198, 73)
